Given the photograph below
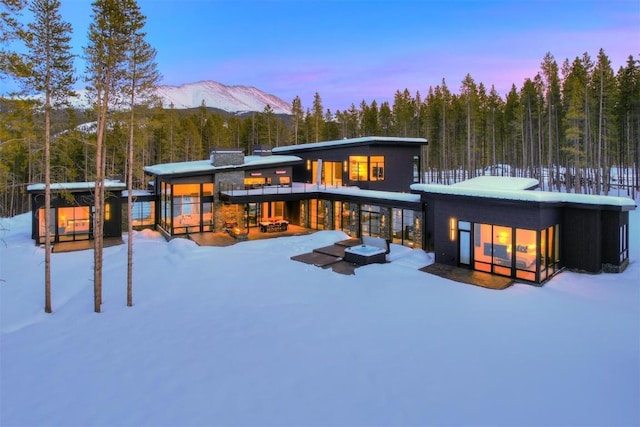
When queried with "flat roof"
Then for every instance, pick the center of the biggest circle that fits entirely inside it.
(199, 166)
(349, 141)
(304, 188)
(77, 186)
(510, 188)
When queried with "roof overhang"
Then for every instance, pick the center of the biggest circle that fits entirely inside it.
(367, 140)
(520, 190)
(204, 167)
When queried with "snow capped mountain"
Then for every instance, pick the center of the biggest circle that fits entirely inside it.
(234, 99)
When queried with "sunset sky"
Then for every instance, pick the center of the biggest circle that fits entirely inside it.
(355, 50)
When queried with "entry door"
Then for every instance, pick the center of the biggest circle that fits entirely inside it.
(464, 237)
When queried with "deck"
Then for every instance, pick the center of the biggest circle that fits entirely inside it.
(471, 277)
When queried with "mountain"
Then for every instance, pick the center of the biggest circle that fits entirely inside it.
(234, 99)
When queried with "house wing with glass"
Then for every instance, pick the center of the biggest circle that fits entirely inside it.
(72, 207)
(499, 225)
(370, 163)
(188, 193)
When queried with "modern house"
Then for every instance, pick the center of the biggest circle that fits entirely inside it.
(188, 196)
(72, 211)
(365, 187)
(499, 225)
(358, 185)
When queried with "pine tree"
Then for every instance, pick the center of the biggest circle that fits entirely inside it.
(51, 63)
(469, 93)
(604, 90)
(317, 117)
(12, 64)
(298, 114)
(385, 118)
(370, 125)
(553, 107)
(628, 118)
(403, 113)
(106, 58)
(141, 78)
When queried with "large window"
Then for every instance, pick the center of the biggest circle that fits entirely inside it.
(74, 223)
(186, 208)
(341, 217)
(165, 206)
(207, 207)
(52, 224)
(416, 169)
(142, 213)
(331, 173)
(316, 214)
(370, 220)
(526, 253)
(358, 168)
(363, 168)
(624, 243)
(376, 168)
(402, 228)
(516, 252)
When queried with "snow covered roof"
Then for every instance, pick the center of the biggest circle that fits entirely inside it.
(371, 194)
(350, 141)
(77, 186)
(137, 193)
(509, 188)
(199, 166)
(302, 188)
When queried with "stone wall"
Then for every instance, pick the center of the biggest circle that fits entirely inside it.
(226, 181)
(227, 158)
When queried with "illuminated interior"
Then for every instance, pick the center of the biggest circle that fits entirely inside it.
(363, 168)
(41, 226)
(331, 173)
(402, 227)
(376, 168)
(72, 223)
(358, 168)
(254, 182)
(515, 251)
(183, 207)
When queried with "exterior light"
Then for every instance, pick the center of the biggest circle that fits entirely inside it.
(452, 229)
(345, 166)
(308, 164)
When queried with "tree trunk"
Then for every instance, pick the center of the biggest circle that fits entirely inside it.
(47, 207)
(130, 207)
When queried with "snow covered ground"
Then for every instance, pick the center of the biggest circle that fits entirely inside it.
(243, 335)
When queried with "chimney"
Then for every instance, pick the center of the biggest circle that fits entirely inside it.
(261, 150)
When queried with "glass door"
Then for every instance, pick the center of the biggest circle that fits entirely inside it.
(464, 237)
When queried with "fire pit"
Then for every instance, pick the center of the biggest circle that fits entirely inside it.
(365, 254)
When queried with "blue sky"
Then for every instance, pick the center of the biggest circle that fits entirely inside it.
(354, 50)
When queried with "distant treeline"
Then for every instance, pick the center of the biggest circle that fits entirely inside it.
(568, 126)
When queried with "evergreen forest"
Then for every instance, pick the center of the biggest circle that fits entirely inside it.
(575, 126)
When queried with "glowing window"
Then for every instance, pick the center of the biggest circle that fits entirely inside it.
(207, 189)
(358, 168)
(525, 249)
(376, 168)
